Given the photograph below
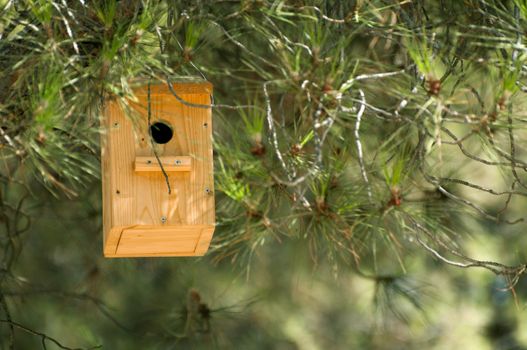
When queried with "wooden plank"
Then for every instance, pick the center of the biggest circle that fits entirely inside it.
(159, 240)
(105, 179)
(204, 240)
(112, 241)
(170, 163)
(149, 255)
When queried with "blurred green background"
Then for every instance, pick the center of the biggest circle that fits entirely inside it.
(285, 302)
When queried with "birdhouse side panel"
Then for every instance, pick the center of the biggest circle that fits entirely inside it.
(198, 127)
(105, 179)
(121, 157)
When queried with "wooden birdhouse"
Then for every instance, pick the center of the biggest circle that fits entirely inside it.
(158, 187)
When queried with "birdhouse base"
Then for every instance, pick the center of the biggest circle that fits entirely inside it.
(147, 240)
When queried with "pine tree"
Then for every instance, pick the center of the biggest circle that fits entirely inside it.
(366, 140)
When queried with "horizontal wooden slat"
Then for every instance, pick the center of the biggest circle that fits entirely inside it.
(170, 163)
(159, 240)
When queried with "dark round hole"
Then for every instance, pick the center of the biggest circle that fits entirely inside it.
(161, 132)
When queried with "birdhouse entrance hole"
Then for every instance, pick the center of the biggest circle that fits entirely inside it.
(161, 132)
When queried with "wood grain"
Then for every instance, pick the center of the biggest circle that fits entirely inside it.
(174, 163)
(139, 199)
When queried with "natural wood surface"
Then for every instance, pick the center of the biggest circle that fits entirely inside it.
(139, 213)
(157, 240)
(174, 163)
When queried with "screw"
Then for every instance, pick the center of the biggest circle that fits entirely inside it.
(148, 162)
(205, 125)
(178, 162)
(116, 124)
(207, 190)
(163, 219)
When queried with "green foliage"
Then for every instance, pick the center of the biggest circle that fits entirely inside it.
(363, 139)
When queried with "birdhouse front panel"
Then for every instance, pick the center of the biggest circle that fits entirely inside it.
(149, 209)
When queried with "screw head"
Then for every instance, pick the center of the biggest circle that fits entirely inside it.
(178, 162)
(163, 219)
(148, 162)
